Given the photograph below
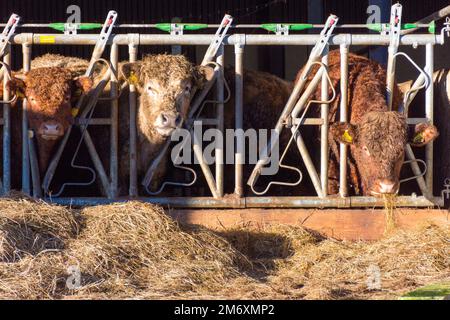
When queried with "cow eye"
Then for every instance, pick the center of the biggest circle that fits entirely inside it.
(187, 89)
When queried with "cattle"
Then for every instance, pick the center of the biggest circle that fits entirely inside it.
(50, 92)
(377, 137)
(164, 84)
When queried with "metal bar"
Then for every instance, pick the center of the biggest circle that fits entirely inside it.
(324, 109)
(239, 120)
(419, 24)
(97, 163)
(251, 39)
(394, 34)
(26, 51)
(6, 183)
(35, 174)
(133, 190)
(113, 169)
(198, 152)
(432, 17)
(257, 202)
(343, 187)
(94, 121)
(429, 99)
(220, 123)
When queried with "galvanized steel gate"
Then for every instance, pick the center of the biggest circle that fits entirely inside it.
(239, 41)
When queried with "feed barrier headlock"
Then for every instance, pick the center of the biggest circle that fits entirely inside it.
(110, 186)
(240, 41)
(5, 74)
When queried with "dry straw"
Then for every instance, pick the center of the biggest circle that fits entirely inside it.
(135, 250)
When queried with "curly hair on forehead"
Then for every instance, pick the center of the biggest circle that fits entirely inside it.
(166, 68)
(384, 133)
(49, 85)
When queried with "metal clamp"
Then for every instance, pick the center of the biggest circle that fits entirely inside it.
(105, 33)
(8, 32)
(394, 42)
(218, 39)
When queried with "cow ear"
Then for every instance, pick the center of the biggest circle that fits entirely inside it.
(131, 72)
(422, 134)
(16, 86)
(343, 132)
(203, 74)
(84, 84)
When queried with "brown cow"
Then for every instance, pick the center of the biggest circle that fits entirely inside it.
(377, 137)
(50, 93)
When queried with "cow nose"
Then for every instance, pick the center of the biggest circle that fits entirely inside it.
(170, 120)
(51, 130)
(386, 186)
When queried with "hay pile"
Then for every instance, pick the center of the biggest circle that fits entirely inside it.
(119, 249)
(135, 250)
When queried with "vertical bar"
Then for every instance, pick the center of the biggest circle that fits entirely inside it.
(26, 51)
(239, 120)
(133, 190)
(35, 175)
(429, 99)
(324, 110)
(343, 187)
(113, 169)
(6, 129)
(220, 123)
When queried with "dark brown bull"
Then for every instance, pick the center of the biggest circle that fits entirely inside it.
(377, 137)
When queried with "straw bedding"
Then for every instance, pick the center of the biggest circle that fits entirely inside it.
(135, 250)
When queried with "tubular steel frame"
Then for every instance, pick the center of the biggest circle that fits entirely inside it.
(239, 41)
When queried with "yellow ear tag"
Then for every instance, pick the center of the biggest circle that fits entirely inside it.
(347, 137)
(133, 79)
(75, 112)
(418, 138)
(19, 94)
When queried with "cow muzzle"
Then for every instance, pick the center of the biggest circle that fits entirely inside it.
(384, 186)
(167, 122)
(51, 130)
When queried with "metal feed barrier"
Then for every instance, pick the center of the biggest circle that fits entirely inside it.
(389, 36)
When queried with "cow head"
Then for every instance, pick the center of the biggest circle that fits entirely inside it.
(49, 93)
(165, 83)
(378, 144)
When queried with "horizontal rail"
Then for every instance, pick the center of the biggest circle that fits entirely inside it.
(257, 202)
(210, 26)
(247, 39)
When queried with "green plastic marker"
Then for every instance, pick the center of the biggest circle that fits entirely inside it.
(291, 26)
(82, 26)
(432, 27)
(189, 26)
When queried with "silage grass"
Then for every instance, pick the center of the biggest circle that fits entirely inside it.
(135, 250)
